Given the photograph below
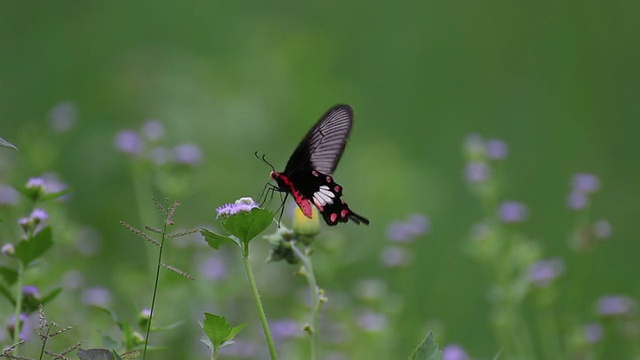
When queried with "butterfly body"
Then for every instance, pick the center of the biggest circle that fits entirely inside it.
(308, 174)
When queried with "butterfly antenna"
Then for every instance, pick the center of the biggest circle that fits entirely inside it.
(264, 160)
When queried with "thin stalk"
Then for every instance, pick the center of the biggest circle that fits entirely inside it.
(317, 304)
(155, 289)
(256, 298)
(44, 342)
(18, 310)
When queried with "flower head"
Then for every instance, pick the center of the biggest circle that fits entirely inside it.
(395, 257)
(243, 204)
(98, 296)
(543, 272)
(513, 212)
(407, 231)
(213, 268)
(477, 172)
(592, 333)
(128, 141)
(9, 249)
(187, 154)
(153, 130)
(616, 306)
(8, 195)
(454, 352)
(285, 329)
(303, 226)
(371, 321)
(496, 149)
(577, 200)
(585, 182)
(36, 183)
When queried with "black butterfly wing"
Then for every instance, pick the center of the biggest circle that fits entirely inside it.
(323, 145)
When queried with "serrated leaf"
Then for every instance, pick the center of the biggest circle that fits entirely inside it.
(215, 240)
(426, 350)
(5, 143)
(218, 329)
(247, 225)
(94, 354)
(32, 248)
(9, 275)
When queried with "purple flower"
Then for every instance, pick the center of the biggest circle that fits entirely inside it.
(25, 326)
(577, 200)
(153, 130)
(30, 291)
(616, 305)
(285, 329)
(98, 296)
(187, 154)
(454, 352)
(602, 229)
(543, 272)
(243, 204)
(496, 149)
(477, 171)
(8, 195)
(371, 321)
(128, 142)
(585, 182)
(39, 215)
(9, 249)
(474, 146)
(592, 333)
(395, 257)
(513, 212)
(406, 232)
(213, 268)
(240, 349)
(63, 116)
(35, 183)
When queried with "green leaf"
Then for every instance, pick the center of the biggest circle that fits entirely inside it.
(32, 248)
(215, 240)
(427, 350)
(7, 294)
(9, 275)
(218, 330)
(51, 295)
(5, 143)
(115, 355)
(247, 225)
(94, 354)
(55, 195)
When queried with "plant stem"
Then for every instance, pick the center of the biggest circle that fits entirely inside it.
(18, 310)
(317, 304)
(155, 289)
(256, 298)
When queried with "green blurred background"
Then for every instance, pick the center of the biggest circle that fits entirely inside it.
(558, 81)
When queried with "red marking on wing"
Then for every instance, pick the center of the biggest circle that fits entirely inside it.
(344, 213)
(303, 203)
(334, 217)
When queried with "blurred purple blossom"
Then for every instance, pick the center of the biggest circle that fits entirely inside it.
(25, 326)
(454, 352)
(592, 333)
(474, 146)
(97, 295)
(128, 141)
(407, 231)
(372, 321)
(286, 329)
(616, 305)
(496, 149)
(477, 171)
(602, 229)
(153, 130)
(394, 257)
(187, 154)
(242, 204)
(577, 200)
(9, 249)
(39, 215)
(35, 183)
(30, 291)
(513, 212)
(585, 182)
(543, 272)
(213, 268)
(63, 116)
(240, 349)
(8, 195)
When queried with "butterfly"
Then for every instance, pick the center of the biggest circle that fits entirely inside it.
(308, 174)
